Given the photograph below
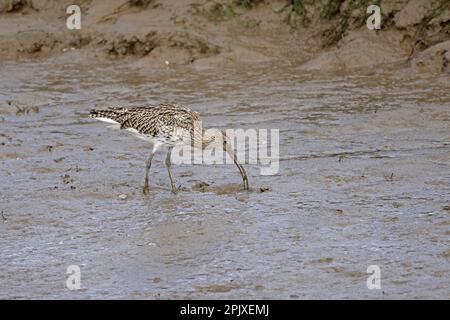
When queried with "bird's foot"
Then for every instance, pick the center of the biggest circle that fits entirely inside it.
(175, 189)
(146, 190)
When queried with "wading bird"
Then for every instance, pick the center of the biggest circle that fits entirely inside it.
(165, 126)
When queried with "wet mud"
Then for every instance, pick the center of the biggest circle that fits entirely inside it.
(363, 180)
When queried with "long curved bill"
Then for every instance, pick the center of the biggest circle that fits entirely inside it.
(240, 167)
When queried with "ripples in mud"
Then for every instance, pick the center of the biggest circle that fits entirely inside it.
(362, 181)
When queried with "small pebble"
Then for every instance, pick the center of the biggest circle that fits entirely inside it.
(123, 197)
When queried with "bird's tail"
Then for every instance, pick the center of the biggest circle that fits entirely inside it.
(113, 115)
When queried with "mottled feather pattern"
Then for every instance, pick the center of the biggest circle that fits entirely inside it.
(160, 121)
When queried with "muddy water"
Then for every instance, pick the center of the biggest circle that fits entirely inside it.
(364, 180)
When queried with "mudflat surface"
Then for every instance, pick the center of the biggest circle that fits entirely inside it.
(364, 180)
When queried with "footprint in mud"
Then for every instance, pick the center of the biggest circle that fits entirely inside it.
(67, 180)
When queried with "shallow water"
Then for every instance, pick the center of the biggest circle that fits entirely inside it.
(364, 180)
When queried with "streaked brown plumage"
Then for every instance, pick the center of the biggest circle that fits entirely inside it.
(165, 125)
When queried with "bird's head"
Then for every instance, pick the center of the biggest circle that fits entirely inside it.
(215, 138)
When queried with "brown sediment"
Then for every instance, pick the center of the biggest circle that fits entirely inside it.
(363, 155)
(361, 182)
(316, 36)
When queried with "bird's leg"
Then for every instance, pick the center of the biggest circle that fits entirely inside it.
(169, 164)
(147, 170)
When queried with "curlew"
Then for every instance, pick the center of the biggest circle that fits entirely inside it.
(165, 126)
